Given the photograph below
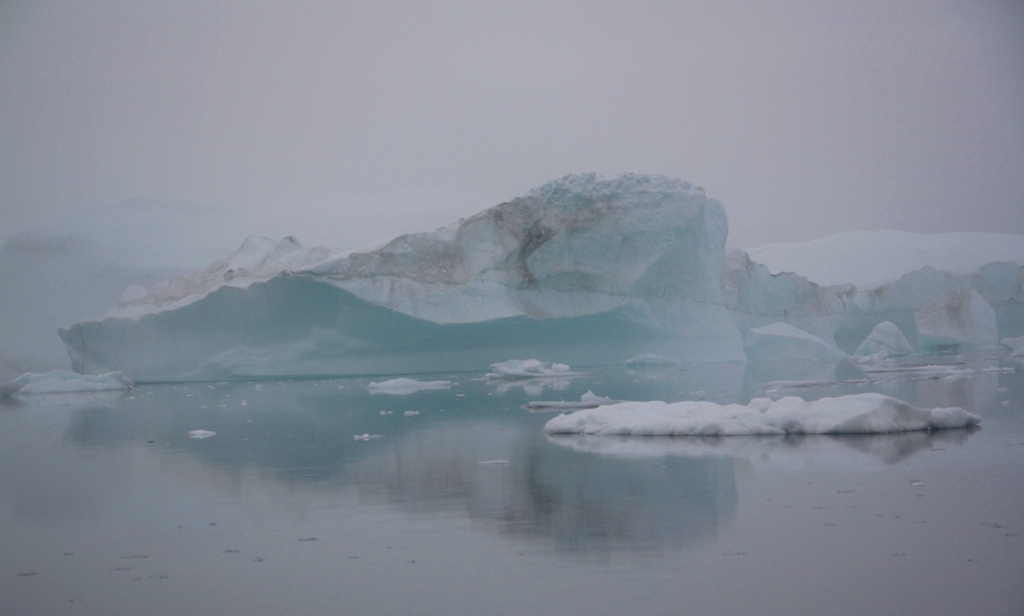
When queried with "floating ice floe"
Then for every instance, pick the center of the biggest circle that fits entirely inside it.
(405, 386)
(867, 413)
(528, 369)
(200, 434)
(64, 382)
(588, 400)
(650, 359)
(367, 437)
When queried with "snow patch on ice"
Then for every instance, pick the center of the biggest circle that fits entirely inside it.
(867, 413)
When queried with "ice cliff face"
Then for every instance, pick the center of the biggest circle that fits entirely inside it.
(583, 270)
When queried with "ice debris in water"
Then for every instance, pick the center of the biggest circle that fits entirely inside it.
(405, 386)
(367, 437)
(588, 400)
(866, 413)
(201, 434)
(528, 369)
(64, 382)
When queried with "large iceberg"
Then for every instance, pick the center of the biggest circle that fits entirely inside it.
(583, 270)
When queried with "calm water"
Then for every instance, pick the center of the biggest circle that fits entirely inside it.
(107, 507)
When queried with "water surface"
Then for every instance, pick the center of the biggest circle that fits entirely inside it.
(463, 506)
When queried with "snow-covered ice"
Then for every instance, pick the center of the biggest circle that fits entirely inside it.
(404, 386)
(64, 382)
(868, 413)
(201, 434)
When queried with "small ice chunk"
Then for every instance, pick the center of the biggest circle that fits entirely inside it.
(367, 437)
(201, 434)
(411, 413)
(405, 386)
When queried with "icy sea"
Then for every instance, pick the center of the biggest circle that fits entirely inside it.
(320, 497)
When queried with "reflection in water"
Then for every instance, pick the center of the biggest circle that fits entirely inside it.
(580, 502)
(761, 450)
(581, 493)
(467, 507)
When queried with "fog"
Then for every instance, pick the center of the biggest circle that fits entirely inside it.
(347, 122)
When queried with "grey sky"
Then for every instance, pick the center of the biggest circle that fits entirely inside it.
(358, 120)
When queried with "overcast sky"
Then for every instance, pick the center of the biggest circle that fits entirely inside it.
(343, 122)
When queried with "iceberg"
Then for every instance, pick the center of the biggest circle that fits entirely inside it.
(404, 386)
(528, 369)
(586, 270)
(64, 382)
(590, 269)
(961, 318)
(781, 341)
(867, 413)
(885, 339)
